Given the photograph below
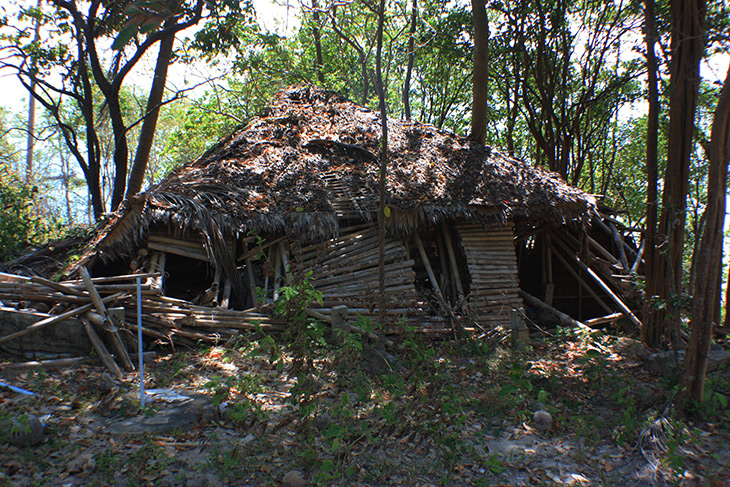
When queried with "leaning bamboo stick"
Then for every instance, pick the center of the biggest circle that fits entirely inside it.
(601, 250)
(107, 321)
(100, 348)
(452, 259)
(439, 295)
(585, 285)
(610, 293)
(56, 286)
(564, 318)
(258, 248)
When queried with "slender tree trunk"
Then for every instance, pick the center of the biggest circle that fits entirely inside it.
(726, 324)
(665, 281)
(383, 161)
(652, 158)
(152, 113)
(30, 141)
(480, 77)
(317, 34)
(411, 59)
(708, 261)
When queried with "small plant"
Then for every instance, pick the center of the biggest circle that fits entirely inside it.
(626, 432)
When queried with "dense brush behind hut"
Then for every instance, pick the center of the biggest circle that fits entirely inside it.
(310, 163)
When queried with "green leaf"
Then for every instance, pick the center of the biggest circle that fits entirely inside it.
(333, 430)
(386, 211)
(125, 35)
(509, 389)
(327, 466)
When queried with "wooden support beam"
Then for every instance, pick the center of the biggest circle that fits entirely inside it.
(603, 286)
(611, 230)
(277, 271)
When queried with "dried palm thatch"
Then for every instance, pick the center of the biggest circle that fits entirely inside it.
(309, 163)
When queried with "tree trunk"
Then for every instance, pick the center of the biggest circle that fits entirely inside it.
(708, 261)
(383, 161)
(665, 282)
(726, 324)
(652, 158)
(149, 126)
(480, 77)
(316, 33)
(411, 59)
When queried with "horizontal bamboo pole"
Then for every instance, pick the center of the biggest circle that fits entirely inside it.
(123, 277)
(365, 260)
(401, 268)
(51, 320)
(612, 318)
(181, 251)
(393, 251)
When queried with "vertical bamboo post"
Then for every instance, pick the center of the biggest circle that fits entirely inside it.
(251, 283)
(548, 265)
(277, 271)
(284, 262)
(159, 266)
(452, 259)
(226, 293)
(448, 289)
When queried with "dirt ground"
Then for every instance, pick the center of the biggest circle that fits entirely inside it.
(435, 413)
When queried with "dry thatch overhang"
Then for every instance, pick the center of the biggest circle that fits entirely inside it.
(310, 162)
(307, 169)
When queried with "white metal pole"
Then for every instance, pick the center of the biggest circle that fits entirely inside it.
(139, 341)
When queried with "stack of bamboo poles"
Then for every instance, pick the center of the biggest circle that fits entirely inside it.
(107, 306)
(345, 270)
(490, 255)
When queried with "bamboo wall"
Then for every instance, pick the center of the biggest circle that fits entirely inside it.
(345, 270)
(492, 263)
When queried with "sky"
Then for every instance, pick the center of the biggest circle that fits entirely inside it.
(273, 16)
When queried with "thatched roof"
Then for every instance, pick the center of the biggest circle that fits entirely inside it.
(311, 161)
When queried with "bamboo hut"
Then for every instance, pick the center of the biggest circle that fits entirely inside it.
(297, 190)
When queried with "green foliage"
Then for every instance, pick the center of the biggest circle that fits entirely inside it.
(20, 223)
